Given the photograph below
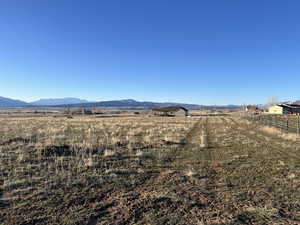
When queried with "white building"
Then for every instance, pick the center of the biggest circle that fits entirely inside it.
(285, 109)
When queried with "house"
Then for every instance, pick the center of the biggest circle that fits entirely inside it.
(171, 111)
(285, 109)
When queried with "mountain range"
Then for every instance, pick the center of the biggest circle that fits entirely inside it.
(131, 103)
(7, 102)
(76, 102)
(297, 102)
(126, 103)
(58, 101)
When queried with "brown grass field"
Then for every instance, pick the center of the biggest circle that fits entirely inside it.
(146, 170)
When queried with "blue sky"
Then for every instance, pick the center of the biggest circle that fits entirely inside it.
(205, 52)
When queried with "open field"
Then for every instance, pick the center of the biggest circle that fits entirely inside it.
(146, 170)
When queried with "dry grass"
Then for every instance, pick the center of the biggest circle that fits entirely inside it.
(278, 132)
(144, 170)
(203, 141)
(90, 162)
(109, 153)
(190, 173)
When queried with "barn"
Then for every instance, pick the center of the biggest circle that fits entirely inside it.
(285, 109)
(171, 111)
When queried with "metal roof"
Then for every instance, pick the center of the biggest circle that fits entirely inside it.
(292, 106)
(170, 109)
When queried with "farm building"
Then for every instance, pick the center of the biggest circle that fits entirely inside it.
(285, 109)
(171, 111)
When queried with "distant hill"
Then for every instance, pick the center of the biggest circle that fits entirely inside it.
(131, 103)
(297, 102)
(125, 104)
(58, 101)
(7, 102)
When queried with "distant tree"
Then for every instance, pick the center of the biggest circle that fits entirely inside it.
(273, 100)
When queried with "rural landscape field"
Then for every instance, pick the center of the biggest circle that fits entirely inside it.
(147, 170)
(158, 112)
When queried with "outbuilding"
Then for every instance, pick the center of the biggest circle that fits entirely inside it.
(171, 111)
(285, 109)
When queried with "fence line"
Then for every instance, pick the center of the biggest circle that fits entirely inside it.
(288, 123)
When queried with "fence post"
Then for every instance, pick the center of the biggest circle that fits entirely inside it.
(287, 124)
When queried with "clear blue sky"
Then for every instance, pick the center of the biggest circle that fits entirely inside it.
(206, 52)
